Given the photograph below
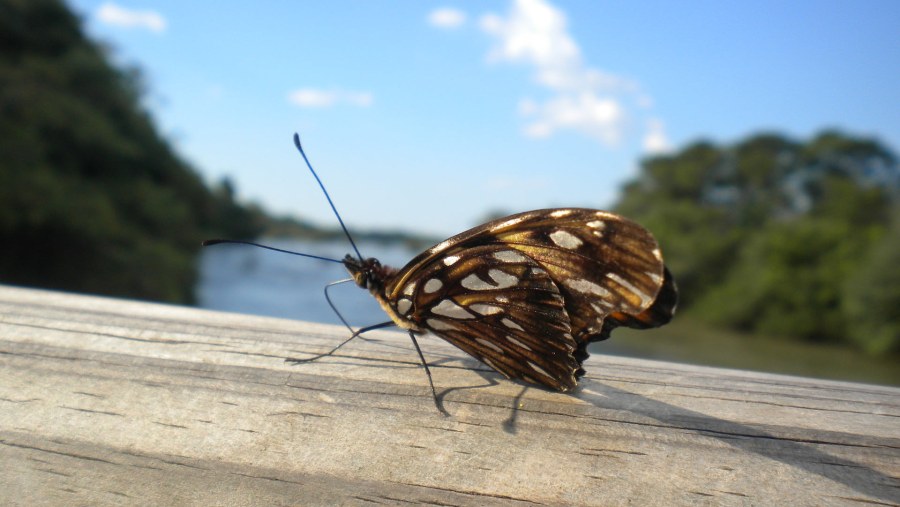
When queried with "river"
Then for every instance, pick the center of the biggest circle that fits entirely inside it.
(244, 279)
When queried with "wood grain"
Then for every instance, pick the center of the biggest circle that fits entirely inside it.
(112, 402)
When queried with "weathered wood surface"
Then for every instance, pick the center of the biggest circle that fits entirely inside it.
(110, 402)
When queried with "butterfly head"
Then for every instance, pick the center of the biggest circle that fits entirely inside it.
(367, 273)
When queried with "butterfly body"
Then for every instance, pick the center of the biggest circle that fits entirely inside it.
(371, 275)
(525, 294)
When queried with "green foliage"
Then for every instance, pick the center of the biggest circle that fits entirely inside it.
(786, 281)
(872, 295)
(782, 238)
(91, 197)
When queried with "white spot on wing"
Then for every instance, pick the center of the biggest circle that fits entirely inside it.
(565, 239)
(645, 299)
(510, 256)
(489, 344)
(539, 370)
(450, 260)
(440, 246)
(433, 285)
(561, 213)
(502, 299)
(653, 276)
(512, 325)
(440, 325)
(657, 254)
(485, 309)
(517, 343)
(409, 289)
(508, 223)
(472, 282)
(587, 287)
(448, 308)
(404, 305)
(599, 226)
(603, 308)
(504, 280)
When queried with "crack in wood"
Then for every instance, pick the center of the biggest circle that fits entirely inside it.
(786, 405)
(467, 492)
(91, 411)
(59, 453)
(179, 426)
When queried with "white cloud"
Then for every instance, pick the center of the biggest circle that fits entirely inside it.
(535, 32)
(309, 97)
(598, 117)
(655, 140)
(446, 17)
(584, 99)
(114, 15)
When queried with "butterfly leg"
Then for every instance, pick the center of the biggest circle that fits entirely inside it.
(434, 395)
(295, 360)
(331, 304)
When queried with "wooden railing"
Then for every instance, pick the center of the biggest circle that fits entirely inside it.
(112, 402)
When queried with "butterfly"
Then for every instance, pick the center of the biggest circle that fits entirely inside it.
(523, 294)
(526, 294)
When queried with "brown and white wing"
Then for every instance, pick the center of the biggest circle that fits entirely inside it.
(500, 307)
(603, 264)
(525, 294)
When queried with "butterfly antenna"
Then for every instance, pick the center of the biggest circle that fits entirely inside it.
(211, 242)
(316, 176)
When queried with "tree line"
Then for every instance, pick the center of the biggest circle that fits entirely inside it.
(776, 236)
(92, 198)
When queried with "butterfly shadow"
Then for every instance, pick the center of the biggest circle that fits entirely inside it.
(453, 362)
(798, 453)
(509, 425)
(491, 378)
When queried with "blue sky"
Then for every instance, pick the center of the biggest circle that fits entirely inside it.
(425, 116)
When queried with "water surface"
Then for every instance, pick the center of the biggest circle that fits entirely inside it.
(244, 279)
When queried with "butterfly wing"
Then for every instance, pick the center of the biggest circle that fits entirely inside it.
(525, 294)
(603, 263)
(498, 306)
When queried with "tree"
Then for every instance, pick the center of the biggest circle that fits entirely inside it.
(769, 235)
(92, 198)
(872, 295)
